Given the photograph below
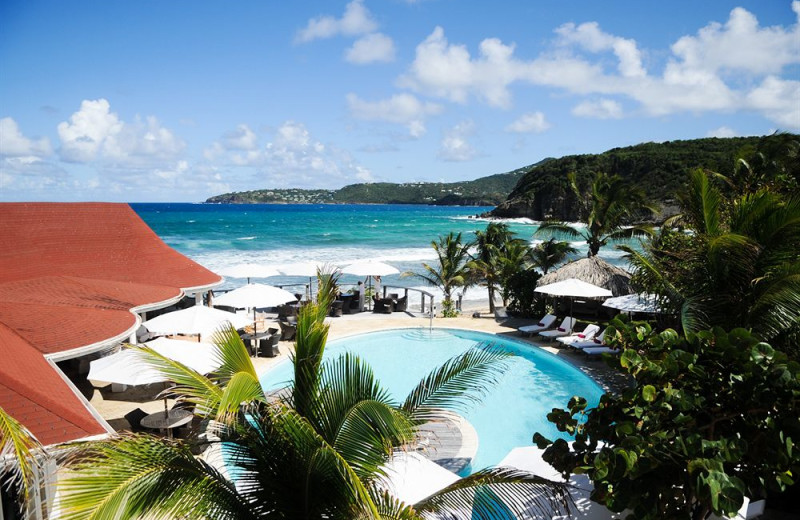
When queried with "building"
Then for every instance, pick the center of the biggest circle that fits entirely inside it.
(74, 279)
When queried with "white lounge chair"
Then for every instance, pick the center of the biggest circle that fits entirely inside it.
(565, 329)
(544, 324)
(596, 341)
(596, 351)
(587, 334)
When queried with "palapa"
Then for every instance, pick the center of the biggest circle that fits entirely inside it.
(595, 271)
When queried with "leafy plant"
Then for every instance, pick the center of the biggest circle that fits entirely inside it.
(550, 254)
(612, 203)
(523, 301)
(712, 418)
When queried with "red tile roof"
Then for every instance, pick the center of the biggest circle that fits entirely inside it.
(70, 274)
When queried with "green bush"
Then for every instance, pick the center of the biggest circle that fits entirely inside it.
(712, 418)
(523, 301)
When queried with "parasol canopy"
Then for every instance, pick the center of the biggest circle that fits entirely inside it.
(369, 268)
(198, 319)
(574, 288)
(248, 271)
(255, 295)
(129, 367)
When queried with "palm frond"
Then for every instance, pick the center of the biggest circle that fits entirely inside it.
(19, 450)
(499, 493)
(232, 352)
(462, 380)
(310, 340)
(193, 387)
(551, 228)
(241, 390)
(128, 476)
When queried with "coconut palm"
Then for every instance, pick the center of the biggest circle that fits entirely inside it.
(551, 253)
(20, 458)
(314, 451)
(738, 266)
(451, 270)
(612, 202)
(487, 264)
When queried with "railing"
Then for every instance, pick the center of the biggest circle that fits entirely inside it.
(423, 295)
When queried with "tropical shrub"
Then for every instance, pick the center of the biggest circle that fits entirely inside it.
(523, 301)
(712, 418)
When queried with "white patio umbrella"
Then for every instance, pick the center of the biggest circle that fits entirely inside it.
(248, 271)
(369, 268)
(574, 288)
(198, 319)
(128, 367)
(307, 269)
(254, 295)
(647, 303)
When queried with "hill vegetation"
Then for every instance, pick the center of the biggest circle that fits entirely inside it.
(660, 169)
(486, 191)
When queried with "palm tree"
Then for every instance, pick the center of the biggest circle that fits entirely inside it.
(738, 266)
(551, 253)
(315, 451)
(611, 203)
(487, 264)
(20, 458)
(452, 269)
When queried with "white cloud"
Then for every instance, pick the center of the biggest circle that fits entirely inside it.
(600, 109)
(375, 47)
(356, 20)
(740, 45)
(455, 145)
(722, 131)
(240, 139)
(778, 99)
(714, 70)
(403, 109)
(590, 37)
(448, 71)
(532, 122)
(94, 132)
(14, 144)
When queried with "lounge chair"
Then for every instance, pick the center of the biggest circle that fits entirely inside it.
(596, 351)
(596, 341)
(564, 329)
(544, 324)
(588, 333)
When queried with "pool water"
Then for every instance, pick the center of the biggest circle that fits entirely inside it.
(508, 416)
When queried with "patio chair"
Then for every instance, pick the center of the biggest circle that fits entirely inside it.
(288, 330)
(543, 324)
(336, 308)
(563, 330)
(134, 418)
(401, 304)
(598, 350)
(381, 305)
(587, 334)
(269, 346)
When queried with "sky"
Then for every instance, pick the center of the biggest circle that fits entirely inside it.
(179, 100)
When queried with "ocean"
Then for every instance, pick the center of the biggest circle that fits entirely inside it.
(221, 235)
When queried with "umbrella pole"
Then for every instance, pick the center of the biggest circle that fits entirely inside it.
(571, 323)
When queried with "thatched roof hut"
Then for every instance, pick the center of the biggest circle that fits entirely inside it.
(593, 270)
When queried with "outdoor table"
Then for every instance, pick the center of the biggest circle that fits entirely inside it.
(167, 420)
(254, 339)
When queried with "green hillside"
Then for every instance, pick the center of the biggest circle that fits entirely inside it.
(486, 191)
(659, 168)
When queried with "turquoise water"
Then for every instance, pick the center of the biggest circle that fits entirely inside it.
(221, 235)
(535, 383)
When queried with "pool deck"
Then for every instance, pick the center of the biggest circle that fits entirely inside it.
(113, 406)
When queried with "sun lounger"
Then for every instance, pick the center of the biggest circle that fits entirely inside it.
(563, 330)
(596, 351)
(587, 334)
(544, 324)
(596, 341)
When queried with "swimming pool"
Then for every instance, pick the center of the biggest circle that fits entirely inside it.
(535, 382)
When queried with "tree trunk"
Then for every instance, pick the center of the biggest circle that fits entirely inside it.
(491, 297)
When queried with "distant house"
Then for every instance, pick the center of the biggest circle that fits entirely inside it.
(74, 279)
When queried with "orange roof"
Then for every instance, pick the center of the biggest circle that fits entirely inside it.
(70, 275)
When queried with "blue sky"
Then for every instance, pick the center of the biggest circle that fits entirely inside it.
(180, 100)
